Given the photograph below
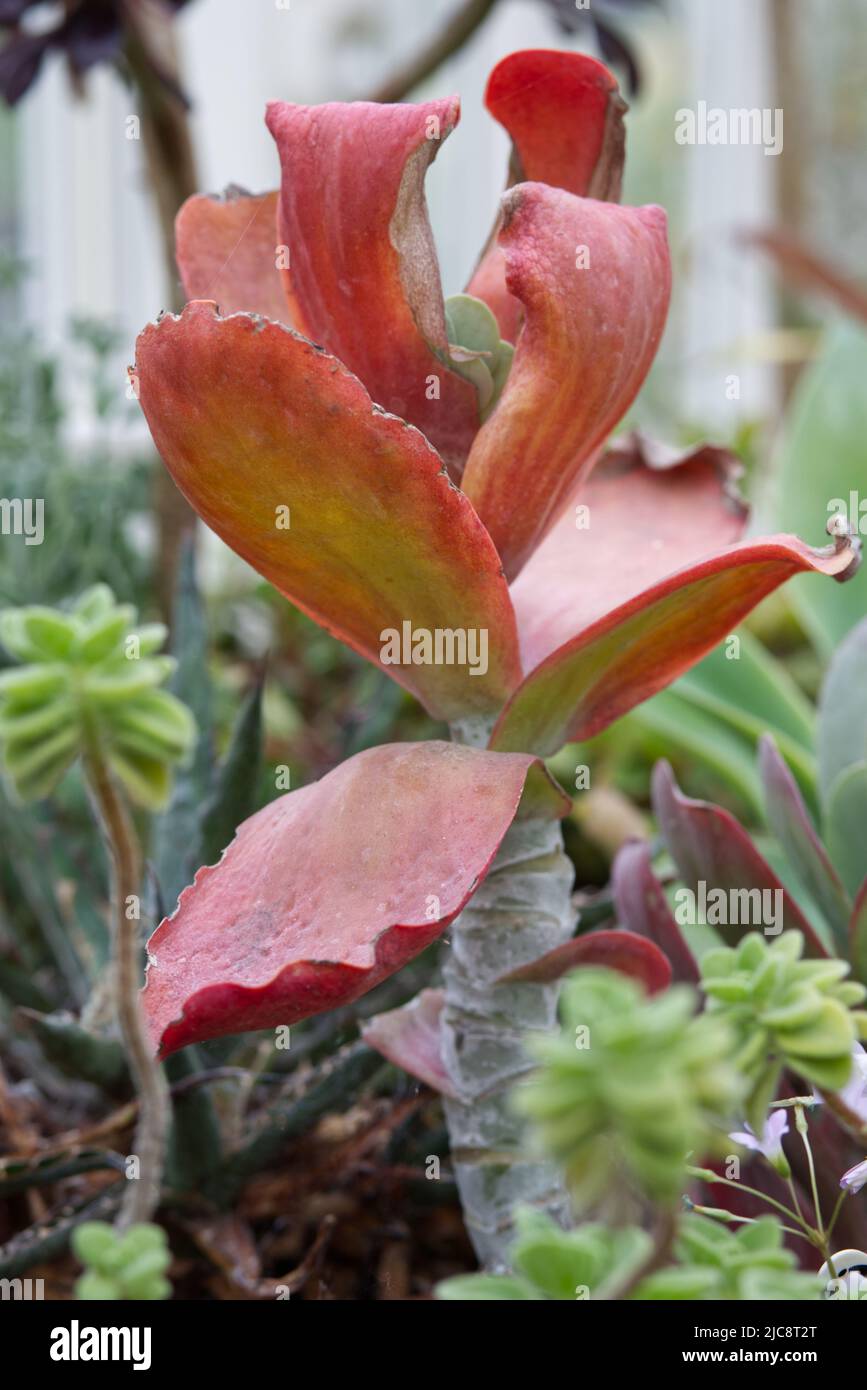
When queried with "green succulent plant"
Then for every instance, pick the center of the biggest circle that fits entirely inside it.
(784, 1012)
(132, 1265)
(596, 1262)
(716, 1263)
(590, 1262)
(89, 684)
(629, 1085)
(477, 350)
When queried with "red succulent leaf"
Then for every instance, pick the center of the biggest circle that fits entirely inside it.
(251, 418)
(227, 250)
(565, 116)
(411, 1038)
(708, 845)
(330, 889)
(646, 512)
(616, 949)
(639, 622)
(790, 821)
(363, 262)
(588, 341)
(643, 908)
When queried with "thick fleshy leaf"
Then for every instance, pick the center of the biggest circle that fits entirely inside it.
(411, 1038)
(642, 907)
(858, 935)
(616, 949)
(329, 890)
(827, 419)
(646, 512)
(363, 262)
(227, 250)
(565, 116)
(594, 279)
(710, 847)
(635, 650)
(346, 510)
(846, 825)
(790, 821)
(842, 730)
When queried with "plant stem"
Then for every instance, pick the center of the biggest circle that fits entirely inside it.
(753, 1191)
(172, 176)
(521, 911)
(835, 1213)
(142, 1194)
(460, 27)
(801, 1126)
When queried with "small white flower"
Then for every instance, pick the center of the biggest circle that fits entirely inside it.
(854, 1095)
(771, 1142)
(855, 1178)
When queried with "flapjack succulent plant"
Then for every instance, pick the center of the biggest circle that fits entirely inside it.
(447, 507)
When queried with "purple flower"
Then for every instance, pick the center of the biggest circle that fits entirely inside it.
(854, 1095)
(771, 1142)
(855, 1178)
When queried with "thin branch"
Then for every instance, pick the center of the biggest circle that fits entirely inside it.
(142, 1194)
(454, 34)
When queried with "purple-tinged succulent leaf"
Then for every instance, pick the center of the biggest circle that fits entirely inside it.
(642, 907)
(846, 824)
(842, 726)
(790, 821)
(615, 949)
(411, 1038)
(710, 846)
(858, 935)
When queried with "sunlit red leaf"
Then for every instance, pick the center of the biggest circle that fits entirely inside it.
(329, 890)
(594, 279)
(565, 116)
(645, 513)
(227, 250)
(642, 524)
(252, 419)
(363, 262)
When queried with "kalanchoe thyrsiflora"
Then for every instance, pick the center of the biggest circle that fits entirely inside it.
(390, 480)
(90, 682)
(784, 1012)
(629, 1086)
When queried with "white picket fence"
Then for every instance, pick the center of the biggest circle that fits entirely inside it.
(88, 232)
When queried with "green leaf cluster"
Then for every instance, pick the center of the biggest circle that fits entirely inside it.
(594, 1262)
(784, 1012)
(629, 1086)
(715, 1263)
(132, 1265)
(89, 683)
(476, 349)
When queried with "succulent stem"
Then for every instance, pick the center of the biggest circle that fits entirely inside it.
(142, 1195)
(520, 911)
